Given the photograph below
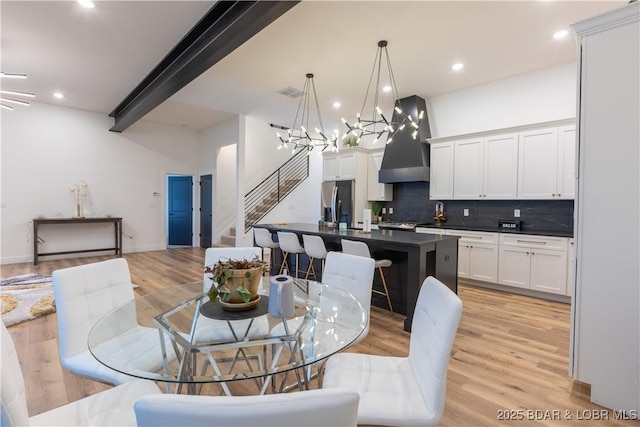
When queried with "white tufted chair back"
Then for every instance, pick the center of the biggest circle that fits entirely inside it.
(85, 293)
(434, 325)
(213, 255)
(312, 408)
(14, 399)
(353, 274)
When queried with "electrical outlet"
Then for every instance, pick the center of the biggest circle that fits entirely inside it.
(466, 212)
(390, 211)
(516, 213)
(384, 210)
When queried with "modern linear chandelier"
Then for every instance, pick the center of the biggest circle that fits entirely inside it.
(377, 125)
(8, 96)
(298, 135)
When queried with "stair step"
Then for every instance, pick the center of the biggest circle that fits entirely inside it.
(228, 240)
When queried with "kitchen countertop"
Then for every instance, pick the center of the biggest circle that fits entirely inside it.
(497, 230)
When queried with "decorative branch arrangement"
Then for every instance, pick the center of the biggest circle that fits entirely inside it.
(81, 191)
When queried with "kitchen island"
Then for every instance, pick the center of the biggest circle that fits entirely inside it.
(414, 255)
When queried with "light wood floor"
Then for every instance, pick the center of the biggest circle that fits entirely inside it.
(510, 356)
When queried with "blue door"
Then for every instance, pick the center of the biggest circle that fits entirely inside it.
(180, 210)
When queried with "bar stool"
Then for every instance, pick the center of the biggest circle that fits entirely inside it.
(361, 249)
(315, 249)
(289, 244)
(262, 236)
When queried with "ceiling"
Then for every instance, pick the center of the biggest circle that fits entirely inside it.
(97, 56)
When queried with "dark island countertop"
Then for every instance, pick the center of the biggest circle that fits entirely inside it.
(414, 257)
(382, 236)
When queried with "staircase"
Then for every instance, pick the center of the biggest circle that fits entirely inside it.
(269, 193)
(227, 240)
(266, 195)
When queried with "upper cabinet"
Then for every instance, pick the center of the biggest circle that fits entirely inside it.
(441, 169)
(546, 163)
(486, 168)
(377, 191)
(529, 164)
(350, 163)
(567, 148)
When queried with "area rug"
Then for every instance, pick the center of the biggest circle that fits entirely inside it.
(25, 298)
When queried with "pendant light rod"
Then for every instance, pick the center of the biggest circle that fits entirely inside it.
(377, 125)
(298, 135)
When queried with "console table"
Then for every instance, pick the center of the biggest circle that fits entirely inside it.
(117, 223)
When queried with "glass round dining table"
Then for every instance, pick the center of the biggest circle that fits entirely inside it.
(326, 320)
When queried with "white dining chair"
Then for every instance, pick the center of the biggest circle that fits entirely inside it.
(212, 330)
(313, 408)
(113, 407)
(346, 272)
(82, 295)
(405, 391)
(354, 247)
(263, 239)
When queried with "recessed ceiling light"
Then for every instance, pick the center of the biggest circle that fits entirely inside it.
(457, 67)
(58, 95)
(561, 34)
(386, 88)
(336, 104)
(86, 3)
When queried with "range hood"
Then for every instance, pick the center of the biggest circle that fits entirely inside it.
(406, 159)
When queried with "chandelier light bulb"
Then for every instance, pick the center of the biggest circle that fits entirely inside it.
(390, 140)
(12, 76)
(414, 134)
(421, 116)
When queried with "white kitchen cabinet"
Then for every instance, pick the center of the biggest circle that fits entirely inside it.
(546, 163)
(534, 262)
(441, 170)
(339, 166)
(500, 173)
(570, 266)
(486, 168)
(468, 169)
(566, 188)
(430, 230)
(477, 255)
(549, 271)
(377, 191)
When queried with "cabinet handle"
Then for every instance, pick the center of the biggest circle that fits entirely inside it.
(533, 253)
(527, 252)
(530, 241)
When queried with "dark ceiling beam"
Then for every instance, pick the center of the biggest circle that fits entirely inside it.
(226, 26)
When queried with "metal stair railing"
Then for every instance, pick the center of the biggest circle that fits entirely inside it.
(274, 188)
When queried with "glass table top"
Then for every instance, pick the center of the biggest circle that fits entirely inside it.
(155, 336)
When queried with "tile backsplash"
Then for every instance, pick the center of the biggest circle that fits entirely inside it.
(411, 204)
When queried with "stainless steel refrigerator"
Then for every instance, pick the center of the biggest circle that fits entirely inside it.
(338, 202)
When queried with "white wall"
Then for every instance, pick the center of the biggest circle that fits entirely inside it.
(218, 157)
(46, 149)
(536, 97)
